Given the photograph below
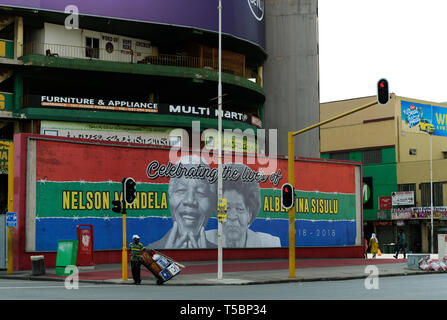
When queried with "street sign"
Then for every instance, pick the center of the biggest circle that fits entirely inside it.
(222, 210)
(11, 219)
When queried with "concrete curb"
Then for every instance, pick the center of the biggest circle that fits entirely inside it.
(225, 281)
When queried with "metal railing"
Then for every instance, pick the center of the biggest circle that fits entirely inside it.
(229, 64)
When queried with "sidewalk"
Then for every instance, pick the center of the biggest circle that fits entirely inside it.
(238, 272)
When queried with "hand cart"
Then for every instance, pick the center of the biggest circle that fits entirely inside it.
(161, 266)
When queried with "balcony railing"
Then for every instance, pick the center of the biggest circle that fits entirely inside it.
(230, 64)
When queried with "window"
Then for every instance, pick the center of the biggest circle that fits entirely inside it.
(408, 187)
(425, 194)
(92, 47)
(340, 156)
(372, 156)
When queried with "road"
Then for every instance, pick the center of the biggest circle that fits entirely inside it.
(415, 287)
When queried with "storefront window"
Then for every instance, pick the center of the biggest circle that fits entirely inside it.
(426, 197)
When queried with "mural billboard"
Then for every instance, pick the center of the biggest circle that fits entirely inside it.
(423, 118)
(71, 183)
(242, 19)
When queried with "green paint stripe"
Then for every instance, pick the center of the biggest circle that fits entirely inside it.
(309, 205)
(94, 199)
(77, 199)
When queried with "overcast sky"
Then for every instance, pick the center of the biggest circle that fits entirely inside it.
(404, 41)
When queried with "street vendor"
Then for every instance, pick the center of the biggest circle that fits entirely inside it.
(136, 250)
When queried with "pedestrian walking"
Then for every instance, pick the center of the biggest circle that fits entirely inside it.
(365, 248)
(136, 250)
(401, 244)
(374, 245)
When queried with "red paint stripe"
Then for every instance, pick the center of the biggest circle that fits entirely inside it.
(64, 161)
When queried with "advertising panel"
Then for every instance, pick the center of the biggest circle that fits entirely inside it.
(75, 183)
(138, 106)
(242, 19)
(115, 133)
(402, 198)
(423, 118)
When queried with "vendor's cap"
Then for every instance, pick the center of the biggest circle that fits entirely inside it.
(135, 236)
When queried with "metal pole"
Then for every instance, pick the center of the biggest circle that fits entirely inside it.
(10, 145)
(431, 190)
(291, 170)
(124, 250)
(10, 266)
(219, 142)
(347, 113)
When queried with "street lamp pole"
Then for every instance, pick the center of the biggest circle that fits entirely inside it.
(431, 187)
(219, 143)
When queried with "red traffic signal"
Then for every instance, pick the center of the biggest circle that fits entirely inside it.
(287, 196)
(382, 91)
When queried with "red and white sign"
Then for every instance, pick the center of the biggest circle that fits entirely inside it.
(385, 203)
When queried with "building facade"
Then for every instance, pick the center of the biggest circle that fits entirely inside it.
(145, 75)
(397, 151)
(291, 73)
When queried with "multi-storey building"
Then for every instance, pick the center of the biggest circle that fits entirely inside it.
(398, 150)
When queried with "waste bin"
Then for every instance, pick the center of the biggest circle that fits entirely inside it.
(38, 265)
(66, 255)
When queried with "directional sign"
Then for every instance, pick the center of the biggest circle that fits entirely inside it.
(11, 219)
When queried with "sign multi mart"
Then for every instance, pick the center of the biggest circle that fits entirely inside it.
(141, 106)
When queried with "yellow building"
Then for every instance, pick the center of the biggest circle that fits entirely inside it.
(393, 143)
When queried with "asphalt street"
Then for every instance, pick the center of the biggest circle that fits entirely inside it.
(414, 287)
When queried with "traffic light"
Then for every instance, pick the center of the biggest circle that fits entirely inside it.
(129, 190)
(382, 91)
(116, 206)
(287, 196)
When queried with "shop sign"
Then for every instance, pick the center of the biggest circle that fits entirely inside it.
(382, 223)
(418, 213)
(402, 198)
(3, 159)
(115, 133)
(139, 106)
(399, 214)
(234, 141)
(385, 203)
(367, 193)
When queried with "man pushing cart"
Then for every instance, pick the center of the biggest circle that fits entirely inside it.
(161, 266)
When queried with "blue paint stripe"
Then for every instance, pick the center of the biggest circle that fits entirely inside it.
(108, 233)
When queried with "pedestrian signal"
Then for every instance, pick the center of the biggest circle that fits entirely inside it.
(382, 91)
(287, 196)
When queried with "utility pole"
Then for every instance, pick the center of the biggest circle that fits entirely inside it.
(219, 142)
